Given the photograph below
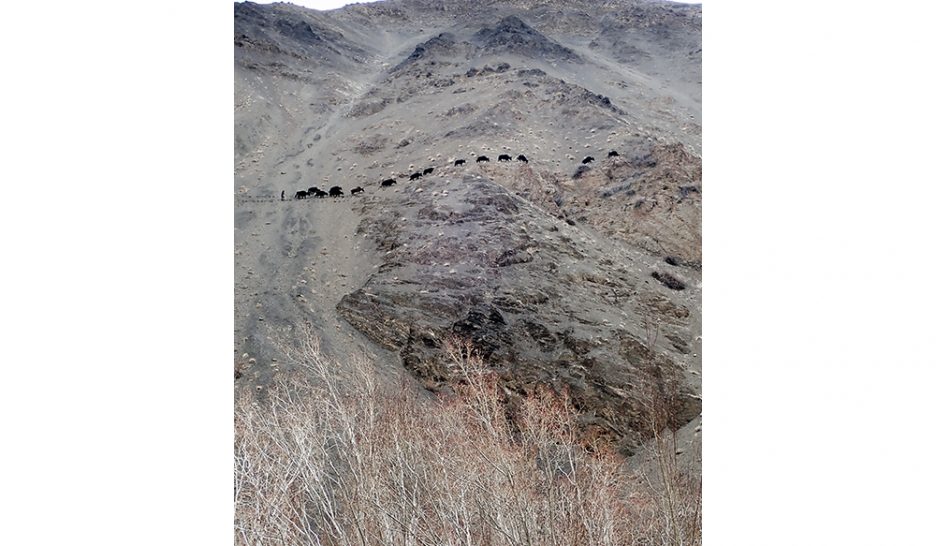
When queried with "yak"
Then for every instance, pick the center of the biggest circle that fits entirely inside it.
(358, 189)
(428, 170)
(522, 157)
(613, 153)
(387, 183)
(481, 158)
(312, 191)
(503, 157)
(321, 193)
(459, 162)
(335, 191)
(302, 194)
(587, 160)
(414, 176)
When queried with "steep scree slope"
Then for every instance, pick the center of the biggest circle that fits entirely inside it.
(584, 277)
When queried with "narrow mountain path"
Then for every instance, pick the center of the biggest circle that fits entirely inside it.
(300, 257)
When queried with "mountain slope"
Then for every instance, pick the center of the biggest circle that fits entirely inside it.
(584, 277)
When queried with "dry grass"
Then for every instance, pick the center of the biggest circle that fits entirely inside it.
(341, 459)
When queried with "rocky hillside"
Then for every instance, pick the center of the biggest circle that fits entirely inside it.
(579, 275)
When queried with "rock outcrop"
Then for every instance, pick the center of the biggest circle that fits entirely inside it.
(543, 302)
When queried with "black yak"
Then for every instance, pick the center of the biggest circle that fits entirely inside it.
(312, 190)
(321, 193)
(587, 160)
(387, 183)
(301, 194)
(503, 157)
(481, 158)
(522, 157)
(358, 189)
(613, 153)
(459, 162)
(335, 191)
(414, 176)
(428, 170)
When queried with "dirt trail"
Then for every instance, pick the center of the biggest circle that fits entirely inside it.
(337, 126)
(298, 258)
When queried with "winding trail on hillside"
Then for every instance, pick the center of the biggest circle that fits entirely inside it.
(300, 257)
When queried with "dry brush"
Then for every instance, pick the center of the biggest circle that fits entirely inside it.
(336, 457)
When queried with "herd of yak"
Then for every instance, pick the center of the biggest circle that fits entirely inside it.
(336, 191)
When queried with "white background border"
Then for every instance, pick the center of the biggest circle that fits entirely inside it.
(118, 273)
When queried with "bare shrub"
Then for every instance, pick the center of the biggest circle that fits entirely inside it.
(674, 489)
(335, 457)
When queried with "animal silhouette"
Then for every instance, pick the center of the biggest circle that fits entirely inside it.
(428, 170)
(613, 153)
(587, 160)
(459, 162)
(522, 157)
(311, 191)
(415, 176)
(335, 191)
(481, 158)
(358, 189)
(321, 193)
(503, 157)
(301, 194)
(387, 183)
